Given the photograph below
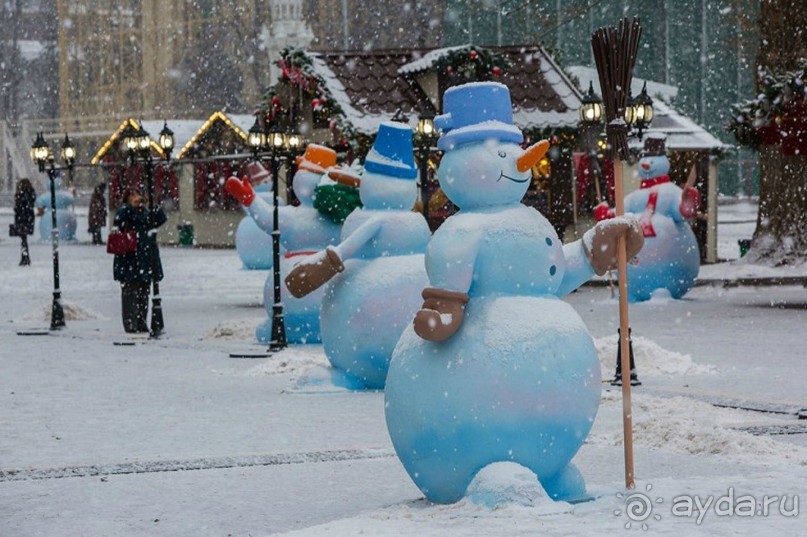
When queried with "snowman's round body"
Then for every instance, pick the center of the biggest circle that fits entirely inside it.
(303, 231)
(670, 258)
(66, 221)
(367, 307)
(520, 380)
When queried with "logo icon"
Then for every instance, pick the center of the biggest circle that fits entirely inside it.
(638, 508)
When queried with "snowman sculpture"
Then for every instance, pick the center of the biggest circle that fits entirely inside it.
(303, 231)
(253, 244)
(670, 258)
(65, 216)
(495, 367)
(376, 271)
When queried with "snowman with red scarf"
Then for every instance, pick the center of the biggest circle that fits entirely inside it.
(670, 258)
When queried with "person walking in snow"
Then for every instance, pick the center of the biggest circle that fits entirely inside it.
(135, 270)
(24, 198)
(98, 213)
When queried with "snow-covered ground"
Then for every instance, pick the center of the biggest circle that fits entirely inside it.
(175, 438)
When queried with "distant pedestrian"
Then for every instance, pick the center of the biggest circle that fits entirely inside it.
(24, 199)
(98, 213)
(135, 271)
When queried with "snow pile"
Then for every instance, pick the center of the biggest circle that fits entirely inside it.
(293, 359)
(72, 312)
(683, 425)
(241, 329)
(507, 483)
(651, 360)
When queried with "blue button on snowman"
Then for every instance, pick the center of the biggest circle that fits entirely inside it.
(495, 367)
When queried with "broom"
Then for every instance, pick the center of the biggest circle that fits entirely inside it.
(615, 51)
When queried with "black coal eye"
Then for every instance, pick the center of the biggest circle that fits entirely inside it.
(502, 154)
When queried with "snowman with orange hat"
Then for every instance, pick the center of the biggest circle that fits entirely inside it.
(303, 231)
(496, 368)
(376, 270)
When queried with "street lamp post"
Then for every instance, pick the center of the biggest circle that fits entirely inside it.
(639, 112)
(138, 144)
(638, 115)
(42, 155)
(426, 137)
(277, 145)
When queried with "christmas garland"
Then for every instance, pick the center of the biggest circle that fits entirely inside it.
(297, 69)
(470, 62)
(777, 92)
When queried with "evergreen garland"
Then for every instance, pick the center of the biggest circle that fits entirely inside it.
(777, 91)
(297, 69)
(471, 62)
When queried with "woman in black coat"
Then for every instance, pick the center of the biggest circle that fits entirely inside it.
(135, 271)
(24, 199)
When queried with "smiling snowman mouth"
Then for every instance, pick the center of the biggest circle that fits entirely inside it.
(503, 176)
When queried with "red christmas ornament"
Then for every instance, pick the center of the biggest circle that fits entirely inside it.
(449, 69)
(496, 71)
(473, 54)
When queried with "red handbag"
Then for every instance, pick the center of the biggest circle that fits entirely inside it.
(121, 242)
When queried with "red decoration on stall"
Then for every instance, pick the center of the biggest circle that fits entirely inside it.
(473, 54)
(496, 71)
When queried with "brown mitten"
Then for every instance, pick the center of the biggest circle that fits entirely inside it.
(441, 314)
(311, 274)
(600, 242)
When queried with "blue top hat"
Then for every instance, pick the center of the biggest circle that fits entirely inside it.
(392, 153)
(476, 112)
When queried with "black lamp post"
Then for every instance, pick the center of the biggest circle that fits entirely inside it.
(277, 144)
(41, 154)
(138, 145)
(638, 115)
(426, 137)
(639, 112)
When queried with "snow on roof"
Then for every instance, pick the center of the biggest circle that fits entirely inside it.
(426, 61)
(183, 131)
(656, 89)
(363, 122)
(682, 134)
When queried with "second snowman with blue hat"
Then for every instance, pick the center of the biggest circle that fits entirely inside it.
(495, 367)
(377, 270)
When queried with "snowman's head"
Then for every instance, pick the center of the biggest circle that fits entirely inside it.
(653, 166)
(489, 173)
(310, 169)
(305, 181)
(379, 191)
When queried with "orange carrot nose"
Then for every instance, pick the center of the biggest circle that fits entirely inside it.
(645, 165)
(532, 155)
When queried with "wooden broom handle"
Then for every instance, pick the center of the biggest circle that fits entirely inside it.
(624, 330)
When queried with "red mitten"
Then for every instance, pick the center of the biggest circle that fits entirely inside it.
(690, 202)
(240, 190)
(603, 212)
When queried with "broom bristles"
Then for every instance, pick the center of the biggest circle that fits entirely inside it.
(615, 50)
